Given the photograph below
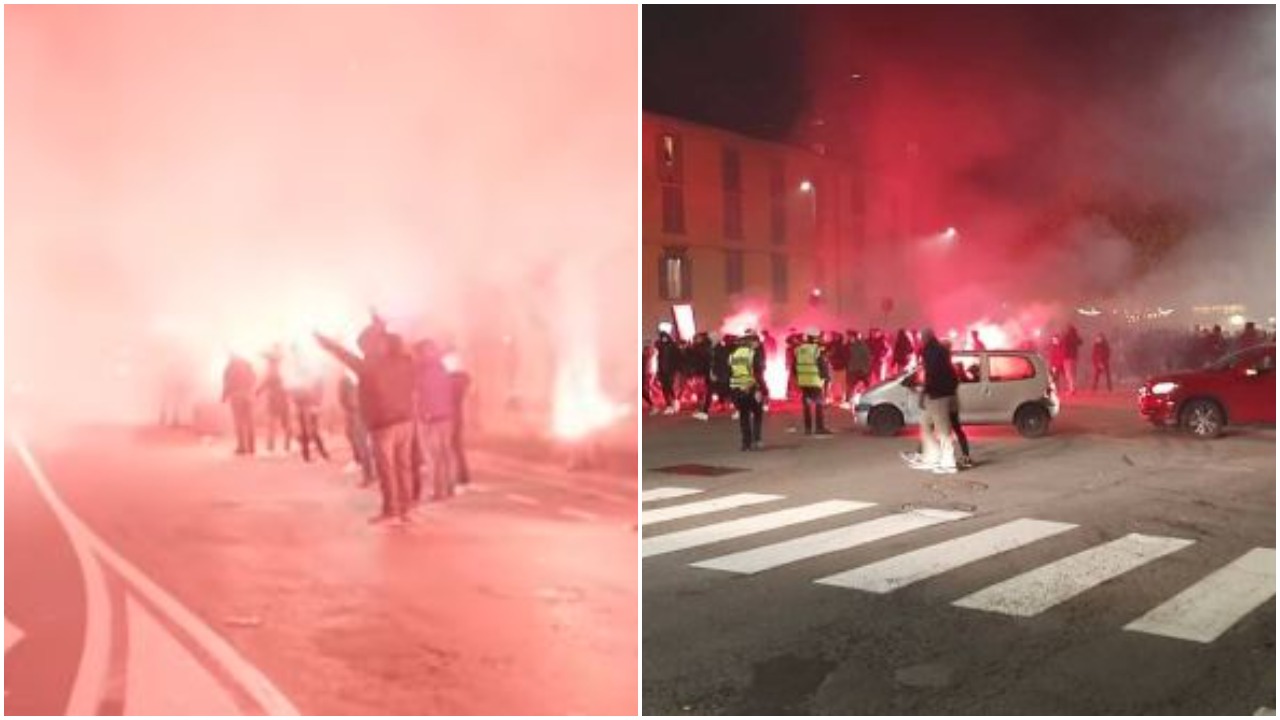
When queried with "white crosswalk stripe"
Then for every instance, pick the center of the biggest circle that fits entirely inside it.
(1210, 607)
(902, 570)
(728, 530)
(702, 507)
(1200, 613)
(667, 493)
(1033, 592)
(831, 541)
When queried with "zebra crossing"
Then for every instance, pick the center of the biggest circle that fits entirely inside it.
(1199, 613)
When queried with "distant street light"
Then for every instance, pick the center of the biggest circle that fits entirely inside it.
(806, 186)
(950, 234)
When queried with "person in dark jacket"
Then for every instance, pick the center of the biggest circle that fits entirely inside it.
(1071, 343)
(939, 397)
(1101, 361)
(238, 381)
(719, 374)
(903, 349)
(858, 369)
(669, 361)
(698, 361)
(385, 380)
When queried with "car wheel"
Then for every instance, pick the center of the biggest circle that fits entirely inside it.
(1031, 420)
(885, 420)
(1203, 418)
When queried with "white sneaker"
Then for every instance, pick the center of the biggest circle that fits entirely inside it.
(669, 411)
(702, 416)
(654, 411)
(735, 414)
(944, 470)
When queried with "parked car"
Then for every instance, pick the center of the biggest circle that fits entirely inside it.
(996, 387)
(1238, 389)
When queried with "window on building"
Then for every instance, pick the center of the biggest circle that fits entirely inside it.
(733, 271)
(674, 275)
(672, 209)
(780, 289)
(670, 158)
(731, 169)
(732, 215)
(778, 203)
(1007, 368)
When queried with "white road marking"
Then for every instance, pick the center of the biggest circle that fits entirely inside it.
(728, 530)
(1210, 607)
(831, 541)
(90, 684)
(12, 635)
(162, 678)
(676, 512)
(902, 570)
(666, 493)
(254, 683)
(1033, 592)
(521, 499)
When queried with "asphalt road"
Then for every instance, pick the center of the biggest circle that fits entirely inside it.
(1053, 547)
(206, 583)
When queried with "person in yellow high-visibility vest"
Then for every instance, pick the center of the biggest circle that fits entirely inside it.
(812, 374)
(746, 387)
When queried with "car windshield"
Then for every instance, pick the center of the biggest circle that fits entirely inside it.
(1226, 362)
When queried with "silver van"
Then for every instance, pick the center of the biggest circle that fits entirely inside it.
(996, 387)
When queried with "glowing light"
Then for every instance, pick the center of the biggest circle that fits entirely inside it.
(740, 322)
(953, 334)
(775, 373)
(806, 186)
(950, 234)
(1236, 320)
(665, 327)
(685, 323)
(1089, 311)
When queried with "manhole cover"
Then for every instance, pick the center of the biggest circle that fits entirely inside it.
(700, 470)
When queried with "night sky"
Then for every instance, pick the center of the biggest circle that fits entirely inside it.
(1000, 116)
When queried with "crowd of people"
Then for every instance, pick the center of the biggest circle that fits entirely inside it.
(402, 412)
(709, 372)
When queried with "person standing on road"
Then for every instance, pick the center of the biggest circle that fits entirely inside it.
(1101, 361)
(975, 342)
(460, 385)
(277, 402)
(668, 353)
(1071, 343)
(858, 370)
(746, 383)
(238, 381)
(307, 397)
(812, 372)
(353, 424)
(940, 384)
(699, 368)
(902, 351)
(433, 409)
(385, 384)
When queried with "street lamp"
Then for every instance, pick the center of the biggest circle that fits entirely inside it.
(806, 186)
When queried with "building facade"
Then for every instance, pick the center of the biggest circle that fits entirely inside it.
(733, 223)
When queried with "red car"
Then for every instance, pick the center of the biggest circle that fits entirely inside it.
(1237, 389)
